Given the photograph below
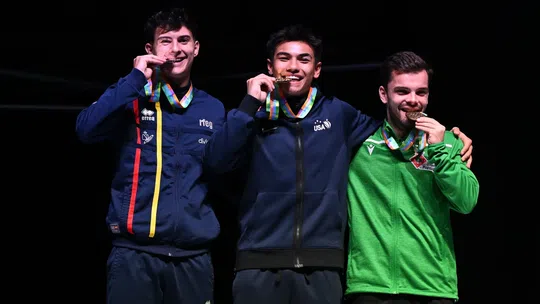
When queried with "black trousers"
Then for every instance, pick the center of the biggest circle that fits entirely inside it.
(287, 286)
(382, 298)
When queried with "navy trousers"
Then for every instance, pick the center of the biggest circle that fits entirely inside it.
(137, 277)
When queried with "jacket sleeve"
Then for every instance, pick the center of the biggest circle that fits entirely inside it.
(227, 148)
(359, 126)
(457, 182)
(106, 115)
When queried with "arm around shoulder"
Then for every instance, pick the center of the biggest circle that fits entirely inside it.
(360, 126)
(457, 182)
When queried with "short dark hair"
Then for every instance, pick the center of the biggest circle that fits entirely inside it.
(403, 62)
(297, 32)
(170, 20)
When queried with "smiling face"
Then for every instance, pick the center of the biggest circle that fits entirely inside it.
(178, 45)
(406, 92)
(296, 60)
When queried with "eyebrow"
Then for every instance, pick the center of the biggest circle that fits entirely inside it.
(406, 88)
(299, 55)
(179, 37)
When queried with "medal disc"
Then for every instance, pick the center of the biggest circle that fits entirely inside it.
(414, 115)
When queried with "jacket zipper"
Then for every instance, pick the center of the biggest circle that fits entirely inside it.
(298, 263)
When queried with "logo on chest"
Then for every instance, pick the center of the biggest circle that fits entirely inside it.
(147, 115)
(321, 125)
(206, 123)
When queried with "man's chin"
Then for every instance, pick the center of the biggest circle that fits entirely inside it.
(295, 93)
(175, 73)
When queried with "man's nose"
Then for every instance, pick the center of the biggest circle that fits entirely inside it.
(293, 66)
(175, 47)
(413, 98)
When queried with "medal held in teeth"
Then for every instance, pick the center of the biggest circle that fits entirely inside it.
(284, 79)
(415, 115)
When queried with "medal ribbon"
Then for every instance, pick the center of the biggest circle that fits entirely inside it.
(169, 93)
(276, 99)
(414, 136)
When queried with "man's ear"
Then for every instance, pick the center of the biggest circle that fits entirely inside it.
(196, 48)
(382, 95)
(270, 67)
(148, 48)
(317, 71)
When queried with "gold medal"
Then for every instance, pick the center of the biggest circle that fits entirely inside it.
(283, 79)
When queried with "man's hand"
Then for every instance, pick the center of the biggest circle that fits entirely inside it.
(433, 129)
(260, 86)
(466, 152)
(145, 63)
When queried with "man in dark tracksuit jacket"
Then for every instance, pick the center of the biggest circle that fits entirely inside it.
(294, 145)
(159, 216)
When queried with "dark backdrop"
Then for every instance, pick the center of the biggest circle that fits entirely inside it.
(61, 187)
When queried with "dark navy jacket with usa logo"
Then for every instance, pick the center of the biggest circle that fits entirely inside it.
(293, 207)
(159, 191)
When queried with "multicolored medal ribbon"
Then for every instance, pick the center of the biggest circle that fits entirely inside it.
(169, 92)
(276, 99)
(415, 136)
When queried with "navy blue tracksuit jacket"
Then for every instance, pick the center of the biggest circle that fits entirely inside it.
(293, 208)
(159, 190)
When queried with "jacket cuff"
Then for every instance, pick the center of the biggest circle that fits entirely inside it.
(250, 105)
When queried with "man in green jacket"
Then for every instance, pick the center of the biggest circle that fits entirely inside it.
(400, 246)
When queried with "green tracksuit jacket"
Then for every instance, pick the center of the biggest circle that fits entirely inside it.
(399, 217)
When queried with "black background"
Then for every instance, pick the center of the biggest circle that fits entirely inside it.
(61, 60)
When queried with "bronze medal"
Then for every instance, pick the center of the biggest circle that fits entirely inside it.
(414, 115)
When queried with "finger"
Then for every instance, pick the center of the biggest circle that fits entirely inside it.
(456, 131)
(428, 121)
(429, 126)
(422, 128)
(266, 80)
(469, 162)
(155, 60)
(467, 143)
(262, 76)
(466, 153)
(267, 83)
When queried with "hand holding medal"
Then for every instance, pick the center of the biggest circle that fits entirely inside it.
(432, 128)
(146, 64)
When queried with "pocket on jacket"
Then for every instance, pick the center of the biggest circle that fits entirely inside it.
(193, 140)
(324, 220)
(272, 220)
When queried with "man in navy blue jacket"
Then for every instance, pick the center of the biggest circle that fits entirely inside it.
(293, 145)
(159, 216)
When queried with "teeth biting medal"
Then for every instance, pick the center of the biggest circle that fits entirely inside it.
(415, 115)
(172, 60)
(282, 78)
